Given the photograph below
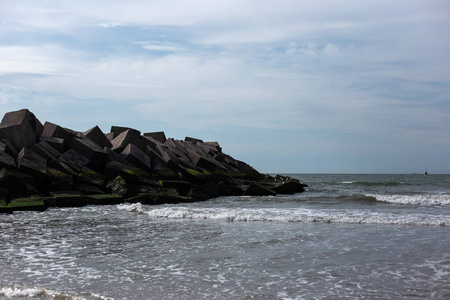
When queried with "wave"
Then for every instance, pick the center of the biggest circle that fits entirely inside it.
(289, 215)
(426, 200)
(374, 183)
(43, 293)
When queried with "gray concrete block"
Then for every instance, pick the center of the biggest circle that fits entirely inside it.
(74, 160)
(137, 157)
(160, 136)
(56, 131)
(97, 136)
(116, 130)
(30, 162)
(192, 140)
(127, 137)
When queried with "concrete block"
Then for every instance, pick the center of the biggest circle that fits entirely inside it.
(152, 143)
(137, 157)
(109, 136)
(159, 166)
(86, 147)
(45, 150)
(127, 137)
(21, 127)
(169, 158)
(159, 136)
(214, 145)
(74, 160)
(290, 187)
(205, 162)
(192, 140)
(30, 162)
(255, 189)
(56, 143)
(91, 177)
(10, 149)
(116, 130)
(97, 135)
(20, 135)
(56, 131)
(7, 161)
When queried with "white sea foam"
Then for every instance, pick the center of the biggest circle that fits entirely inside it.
(413, 199)
(297, 215)
(12, 292)
(37, 292)
(134, 207)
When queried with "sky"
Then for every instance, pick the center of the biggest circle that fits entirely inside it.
(288, 86)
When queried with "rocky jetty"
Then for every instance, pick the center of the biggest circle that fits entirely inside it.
(48, 165)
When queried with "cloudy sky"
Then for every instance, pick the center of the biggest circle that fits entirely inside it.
(287, 86)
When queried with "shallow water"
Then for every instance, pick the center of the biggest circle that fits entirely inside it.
(347, 237)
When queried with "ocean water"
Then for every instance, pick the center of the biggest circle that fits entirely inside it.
(346, 237)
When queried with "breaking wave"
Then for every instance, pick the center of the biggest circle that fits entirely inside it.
(293, 215)
(426, 200)
(14, 292)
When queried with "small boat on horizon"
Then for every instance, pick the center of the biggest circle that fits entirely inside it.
(426, 173)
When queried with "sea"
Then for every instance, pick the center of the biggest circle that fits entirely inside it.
(348, 236)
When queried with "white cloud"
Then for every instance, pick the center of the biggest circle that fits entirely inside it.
(347, 67)
(29, 60)
(162, 46)
(110, 25)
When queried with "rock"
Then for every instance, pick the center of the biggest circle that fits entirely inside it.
(96, 135)
(159, 136)
(258, 190)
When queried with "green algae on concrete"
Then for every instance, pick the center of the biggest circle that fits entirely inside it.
(105, 199)
(66, 200)
(23, 204)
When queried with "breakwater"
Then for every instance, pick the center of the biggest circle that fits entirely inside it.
(47, 165)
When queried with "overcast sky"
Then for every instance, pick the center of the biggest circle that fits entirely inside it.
(287, 86)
